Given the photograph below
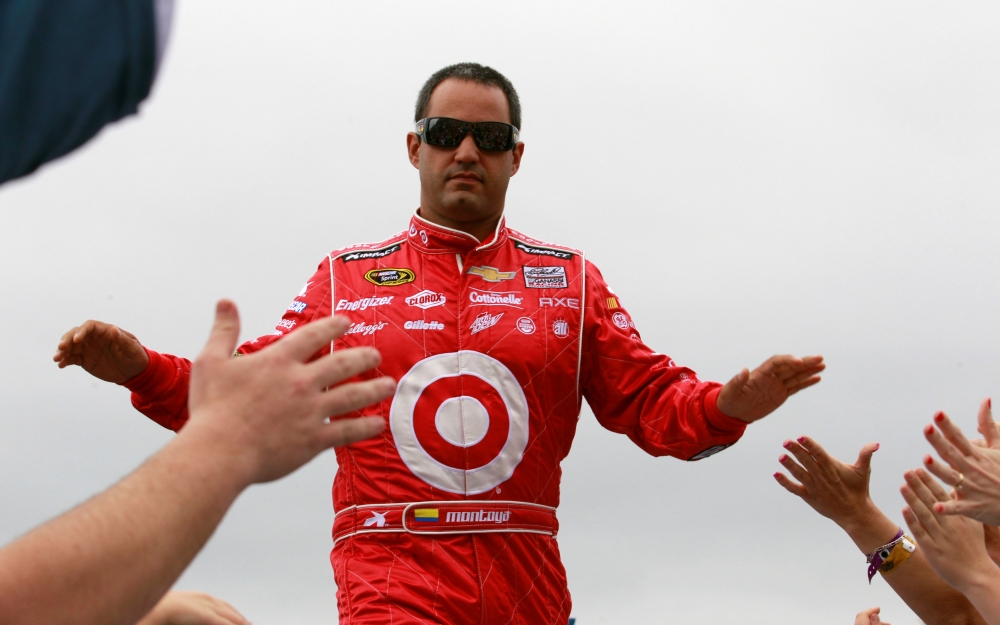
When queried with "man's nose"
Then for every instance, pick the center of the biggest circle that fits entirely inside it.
(467, 151)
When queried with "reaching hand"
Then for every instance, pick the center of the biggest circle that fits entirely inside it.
(752, 395)
(953, 545)
(975, 468)
(836, 490)
(869, 617)
(271, 410)
(192, 608)
(103, 350)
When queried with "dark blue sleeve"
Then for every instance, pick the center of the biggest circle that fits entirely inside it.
(67, 68)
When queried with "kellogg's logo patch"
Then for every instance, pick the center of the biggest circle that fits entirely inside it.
(390, 277)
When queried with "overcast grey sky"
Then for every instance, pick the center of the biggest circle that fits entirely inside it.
(752, 178)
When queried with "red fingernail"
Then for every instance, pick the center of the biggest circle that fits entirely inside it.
(939, 417)
(929, 429)
(782, 458)
(776, 474)
(878, 446)
(786, 444)
(801, 439)
(928, 460)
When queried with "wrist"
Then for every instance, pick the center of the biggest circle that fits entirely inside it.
(231, 467)
(869, 527)
(983, 581)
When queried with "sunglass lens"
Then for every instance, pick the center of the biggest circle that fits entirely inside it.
(492, 136)
(445, 132)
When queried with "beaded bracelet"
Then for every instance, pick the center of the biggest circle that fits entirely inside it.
(890, 555)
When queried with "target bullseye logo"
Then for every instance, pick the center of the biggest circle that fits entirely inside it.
(460, 422)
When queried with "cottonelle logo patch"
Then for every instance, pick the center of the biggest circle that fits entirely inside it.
(367, 254)
(390, 277)
(543, 251)
(460, 424)
(494, 298)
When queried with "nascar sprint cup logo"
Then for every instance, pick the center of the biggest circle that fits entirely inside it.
(390, 277)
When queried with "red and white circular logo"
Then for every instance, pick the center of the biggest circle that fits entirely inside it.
(526, 325)
(620, 320)
(460, 422)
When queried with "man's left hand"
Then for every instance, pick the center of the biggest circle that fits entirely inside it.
(752, 395)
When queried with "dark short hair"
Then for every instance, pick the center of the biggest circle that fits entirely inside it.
(473, 72)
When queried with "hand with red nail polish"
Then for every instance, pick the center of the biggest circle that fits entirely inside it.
(839, 492)
(836, 490)
(972, 468)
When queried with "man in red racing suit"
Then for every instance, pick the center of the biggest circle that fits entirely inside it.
(495, 340)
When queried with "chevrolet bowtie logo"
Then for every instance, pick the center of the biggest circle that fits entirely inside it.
(492, 274)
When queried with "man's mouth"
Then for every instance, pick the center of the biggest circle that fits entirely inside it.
(466, 176)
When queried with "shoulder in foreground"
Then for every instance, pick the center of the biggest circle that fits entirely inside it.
(363, 251)
(535, 247)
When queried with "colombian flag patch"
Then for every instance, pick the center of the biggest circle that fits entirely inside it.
(425, 515)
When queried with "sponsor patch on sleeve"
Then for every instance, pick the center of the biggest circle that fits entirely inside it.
(545, 277)
(711, 451)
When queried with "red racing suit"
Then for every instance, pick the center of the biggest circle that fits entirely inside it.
(449, 515)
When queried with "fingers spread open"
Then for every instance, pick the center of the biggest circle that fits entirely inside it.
(343, 365)
(797, 471)
(356, 395)
(225, 331)
(923, 510)
(936, 490)
(953, 433)
(302, 344)
(945, 449)
(943, 472)
(913, 523)
(796, 489)
(340, 432)
(804, 457)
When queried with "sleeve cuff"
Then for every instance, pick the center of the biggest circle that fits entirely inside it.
(725, 424)
(145, 382)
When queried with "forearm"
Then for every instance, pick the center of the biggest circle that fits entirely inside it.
(110, 560)
(916, 583)
(985, 596)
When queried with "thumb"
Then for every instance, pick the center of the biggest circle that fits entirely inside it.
(865, 456)
(225, 331)
(987, 427)
(740, 379)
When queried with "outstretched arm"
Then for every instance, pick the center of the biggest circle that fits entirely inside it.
(954, 545)
(752, 395)
(839, 492)
(103, 350)
(253, 419)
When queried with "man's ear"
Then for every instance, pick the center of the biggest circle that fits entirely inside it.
(518, 152)
(413, 148)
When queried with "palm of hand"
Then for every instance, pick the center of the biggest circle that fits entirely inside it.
(761, 395)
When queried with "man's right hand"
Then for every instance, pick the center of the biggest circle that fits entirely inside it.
(105, 351)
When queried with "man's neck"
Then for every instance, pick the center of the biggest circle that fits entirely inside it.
(480, 229)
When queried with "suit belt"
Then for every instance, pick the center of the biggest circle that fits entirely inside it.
(446, 517)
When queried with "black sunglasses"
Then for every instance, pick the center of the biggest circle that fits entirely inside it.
(449, 133)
